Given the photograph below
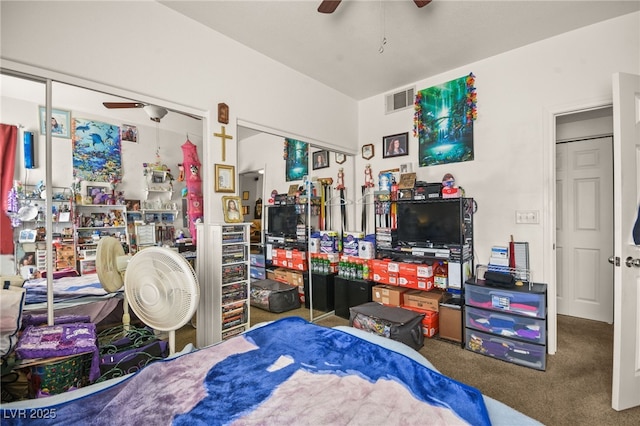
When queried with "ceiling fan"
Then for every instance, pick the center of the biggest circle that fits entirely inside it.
(155, 113)
(329, 6)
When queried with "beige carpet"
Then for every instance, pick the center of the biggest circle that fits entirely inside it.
(574, 390)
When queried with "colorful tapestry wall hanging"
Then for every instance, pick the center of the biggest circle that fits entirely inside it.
(296, 155)
(97, 155)
(443, 122)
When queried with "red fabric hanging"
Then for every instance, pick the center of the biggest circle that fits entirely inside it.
(8, 143)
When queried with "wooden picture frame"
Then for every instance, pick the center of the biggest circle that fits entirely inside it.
(245, 195)
(395, 145)
(223, 113)
(232, 209)
(340, 158)
(62, 121)
(368, 151)
(225, 178)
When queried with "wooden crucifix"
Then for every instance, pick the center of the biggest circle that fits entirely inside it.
(223, 136)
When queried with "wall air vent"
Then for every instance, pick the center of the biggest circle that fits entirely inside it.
(400, 100)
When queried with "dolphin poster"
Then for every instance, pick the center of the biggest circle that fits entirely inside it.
(97, 154)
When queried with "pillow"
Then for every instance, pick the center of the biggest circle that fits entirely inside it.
(11, 304)
(11, 280)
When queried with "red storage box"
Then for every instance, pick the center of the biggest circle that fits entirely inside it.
(430, 322)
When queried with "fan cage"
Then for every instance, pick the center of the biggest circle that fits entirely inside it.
(161, 288)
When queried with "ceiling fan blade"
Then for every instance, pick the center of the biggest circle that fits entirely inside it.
(123, 104)
(328, 6)
(421, 3)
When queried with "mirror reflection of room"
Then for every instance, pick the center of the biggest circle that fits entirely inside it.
(291, 184)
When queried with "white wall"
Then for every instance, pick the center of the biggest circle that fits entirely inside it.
(516, 92)
(514, 136)
(265, 151)
(151, 50)
(169, 141)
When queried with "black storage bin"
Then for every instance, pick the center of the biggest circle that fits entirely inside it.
(350, 293)
(394, 323)
(274, 296)
(341, 301)
(323, 292)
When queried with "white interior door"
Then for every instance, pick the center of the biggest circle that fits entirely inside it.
(626, 154)
(584, 228)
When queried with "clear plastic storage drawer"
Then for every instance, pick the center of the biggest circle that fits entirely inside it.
(507, 325)
(521, 353)
(517, 300)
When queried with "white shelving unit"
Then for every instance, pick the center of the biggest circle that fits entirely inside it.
(62, 207)
(223, 274)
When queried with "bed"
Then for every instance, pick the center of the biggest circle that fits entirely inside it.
(72, 295)
(289, 371)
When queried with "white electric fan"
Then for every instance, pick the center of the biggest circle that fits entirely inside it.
(159, 284)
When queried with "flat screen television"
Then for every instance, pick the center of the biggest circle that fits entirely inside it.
(432, 223)
(282, 221)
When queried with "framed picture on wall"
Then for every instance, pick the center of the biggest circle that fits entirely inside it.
(129, 133)
(340, 158)
(320, 159)
(367, 151)
(60, 122)
(395, 145)
(225, 178)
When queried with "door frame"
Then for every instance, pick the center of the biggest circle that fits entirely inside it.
(549, 207)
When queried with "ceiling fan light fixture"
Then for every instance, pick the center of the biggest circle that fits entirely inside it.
(154, 112)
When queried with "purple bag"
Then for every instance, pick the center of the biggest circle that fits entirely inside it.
(132, 360)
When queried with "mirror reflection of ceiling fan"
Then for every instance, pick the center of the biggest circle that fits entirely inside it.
(329, 6)
(155, 113)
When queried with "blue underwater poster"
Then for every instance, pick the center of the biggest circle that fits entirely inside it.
(296, 155)
(443, 122)
(97, 155)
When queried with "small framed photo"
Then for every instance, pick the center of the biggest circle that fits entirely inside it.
(60, 122)
(320, 159)
(340, 158)
(129, 133)
(368, 151)
(395, 145)
(231, 206)
(132, 205)
(95, 192)
(225, 178)
(245, 195)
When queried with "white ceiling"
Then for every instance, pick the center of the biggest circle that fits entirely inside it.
(341, 49)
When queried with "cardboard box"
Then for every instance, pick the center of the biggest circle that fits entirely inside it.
(281, 274)
(427, 300)
(426, 284)
(388, 295)
(451, 320)
(430, 322)
(295, 278)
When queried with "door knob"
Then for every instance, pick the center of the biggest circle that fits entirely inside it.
(630, 261)
(612, 260)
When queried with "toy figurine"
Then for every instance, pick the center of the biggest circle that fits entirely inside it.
(368, 176)
(449, 188)
(340, 178)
